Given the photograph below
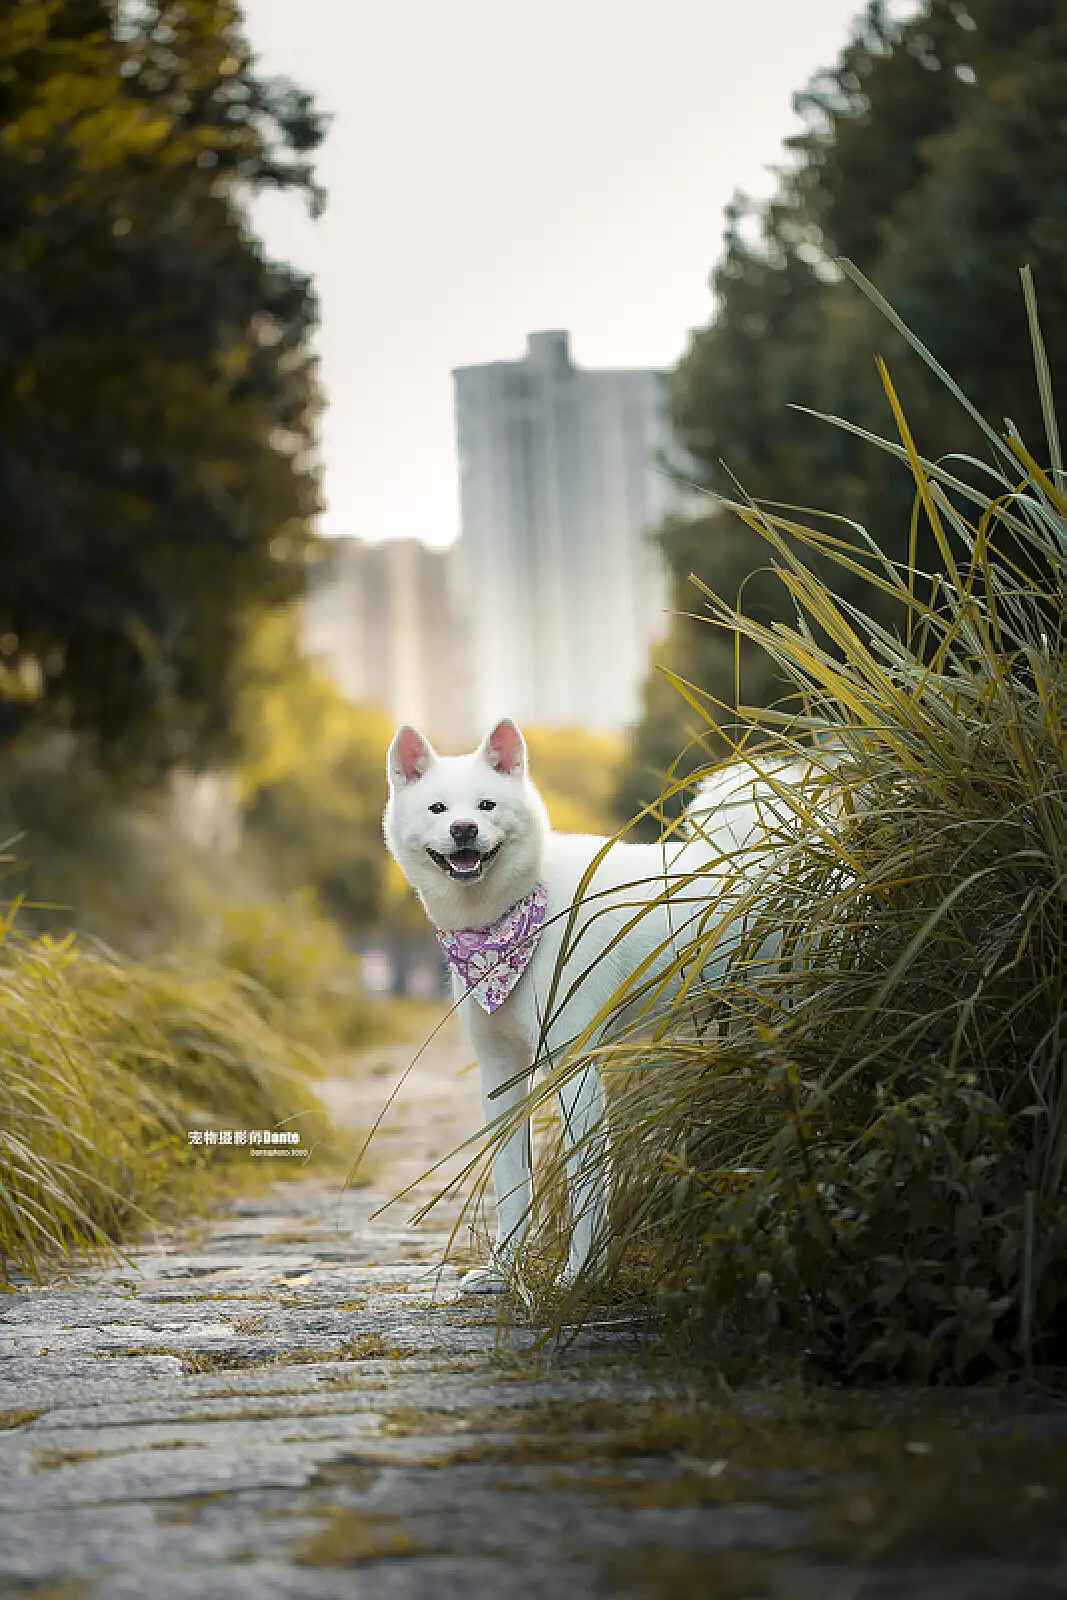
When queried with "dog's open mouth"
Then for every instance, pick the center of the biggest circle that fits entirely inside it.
(464, 865)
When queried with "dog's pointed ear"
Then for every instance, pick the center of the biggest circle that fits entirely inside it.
(410, 756)
(505, 749)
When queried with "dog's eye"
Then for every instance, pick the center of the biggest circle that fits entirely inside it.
(437, 807)
(486, 805)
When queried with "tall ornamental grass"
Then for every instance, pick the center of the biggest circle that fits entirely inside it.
(857, 1152)
(105, 1066)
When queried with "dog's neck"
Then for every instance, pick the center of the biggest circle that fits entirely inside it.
(462, 907)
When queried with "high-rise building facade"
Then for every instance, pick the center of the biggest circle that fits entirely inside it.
(377, 618)
(559, 590)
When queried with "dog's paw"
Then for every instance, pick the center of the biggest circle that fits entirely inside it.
(490, 1279)
(586, 1273)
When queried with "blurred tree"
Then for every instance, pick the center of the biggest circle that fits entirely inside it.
(935, 157)
(156, 390)
(574, 771)
(674, 736)
(312, 776)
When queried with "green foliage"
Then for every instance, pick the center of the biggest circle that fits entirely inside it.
(156, 387)
(675, 735)
(934, 158)
(294, 954)
(116, 867)
(312, 775)
(889, 1248)
(860, 1154)
(575, 773)
(91, 858)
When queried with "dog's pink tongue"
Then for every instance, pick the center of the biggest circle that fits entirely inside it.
(465, 860)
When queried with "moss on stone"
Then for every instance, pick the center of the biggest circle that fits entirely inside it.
(216, 1361)
(354, 1537)
(406, 1422)
(664, 1574)
(19, 1419)
(51, 1589)
(53, 1460)
(909, 1476)
(369, 1347)
(186, 1508)
(250, 1327)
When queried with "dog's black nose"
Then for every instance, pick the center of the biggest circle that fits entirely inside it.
(464, 832)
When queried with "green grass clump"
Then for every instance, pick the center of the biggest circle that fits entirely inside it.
(105, 1065)
(859, 1154)
(298, 958)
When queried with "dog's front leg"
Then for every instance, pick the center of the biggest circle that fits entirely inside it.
(581, 1105)
(504, 1069)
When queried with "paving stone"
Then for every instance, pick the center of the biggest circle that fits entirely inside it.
(408, 1580)
(348, 1394)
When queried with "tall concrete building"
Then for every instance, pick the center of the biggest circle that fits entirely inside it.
(559, 590)
(378, 620)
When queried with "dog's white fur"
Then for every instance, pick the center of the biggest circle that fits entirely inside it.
(609, 940)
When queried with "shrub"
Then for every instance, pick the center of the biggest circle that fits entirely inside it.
(860, 1156)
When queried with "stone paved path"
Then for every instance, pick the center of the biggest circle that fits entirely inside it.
(297, 1403)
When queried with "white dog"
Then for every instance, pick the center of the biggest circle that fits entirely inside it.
(504, 892)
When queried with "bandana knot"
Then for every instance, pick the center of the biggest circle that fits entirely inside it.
(490, 961)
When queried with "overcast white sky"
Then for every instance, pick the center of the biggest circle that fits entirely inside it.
(495, 167)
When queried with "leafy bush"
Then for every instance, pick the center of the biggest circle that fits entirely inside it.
(860, 1154)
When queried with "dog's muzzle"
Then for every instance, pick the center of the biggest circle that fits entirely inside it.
(464, 865)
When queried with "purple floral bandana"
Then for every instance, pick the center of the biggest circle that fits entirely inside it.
(490, 961)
